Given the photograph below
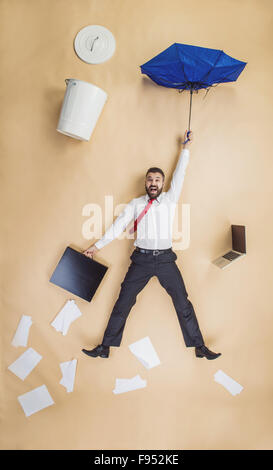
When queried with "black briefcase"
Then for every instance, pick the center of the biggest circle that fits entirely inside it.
(78, 274)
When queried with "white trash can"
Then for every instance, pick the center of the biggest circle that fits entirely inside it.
(82, 106)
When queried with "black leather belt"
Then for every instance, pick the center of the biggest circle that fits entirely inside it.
(153, 252)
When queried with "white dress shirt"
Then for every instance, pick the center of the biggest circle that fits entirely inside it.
(154, 230)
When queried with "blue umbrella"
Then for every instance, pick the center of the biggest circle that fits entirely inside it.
(186, 67)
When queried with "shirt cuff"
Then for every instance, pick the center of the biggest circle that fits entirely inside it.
(99, 244)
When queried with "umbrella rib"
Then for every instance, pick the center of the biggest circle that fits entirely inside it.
(218, 83)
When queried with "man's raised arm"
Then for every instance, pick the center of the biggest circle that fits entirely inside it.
(179, 172)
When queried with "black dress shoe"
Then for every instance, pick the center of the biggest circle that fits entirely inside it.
(101, 350)
(203, 351)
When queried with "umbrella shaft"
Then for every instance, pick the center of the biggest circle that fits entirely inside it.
(189, 126)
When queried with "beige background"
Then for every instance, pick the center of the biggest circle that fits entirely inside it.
(47, 178)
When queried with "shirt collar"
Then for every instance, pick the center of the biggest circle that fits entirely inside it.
(158, 199)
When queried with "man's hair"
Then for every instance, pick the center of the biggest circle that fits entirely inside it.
(154, 169)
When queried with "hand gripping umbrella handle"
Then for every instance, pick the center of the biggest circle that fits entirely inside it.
(188, 133)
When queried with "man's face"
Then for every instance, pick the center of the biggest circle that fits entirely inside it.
(154, 184)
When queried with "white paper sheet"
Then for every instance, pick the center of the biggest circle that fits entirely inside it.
(21, 335)
(145, 352)
(66, 316)
(231, 385)
(127, 385)
(68, 370)
(25, 363)
(35, 400)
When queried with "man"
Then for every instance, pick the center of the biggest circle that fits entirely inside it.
(153, 256)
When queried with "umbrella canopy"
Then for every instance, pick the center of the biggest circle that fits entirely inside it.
(186, 67)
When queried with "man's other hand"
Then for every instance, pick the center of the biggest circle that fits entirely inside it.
(90, 251)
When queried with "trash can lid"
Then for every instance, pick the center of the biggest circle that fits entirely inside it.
(94, 44)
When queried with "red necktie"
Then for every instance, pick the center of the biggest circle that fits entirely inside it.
(146, 208)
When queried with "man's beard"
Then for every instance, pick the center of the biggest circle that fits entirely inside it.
(153, 195)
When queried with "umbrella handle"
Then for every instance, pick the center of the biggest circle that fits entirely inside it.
(188, 133)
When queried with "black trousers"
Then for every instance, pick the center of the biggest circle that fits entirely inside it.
(141, 269)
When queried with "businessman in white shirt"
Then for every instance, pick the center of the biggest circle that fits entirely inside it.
(153, 216)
